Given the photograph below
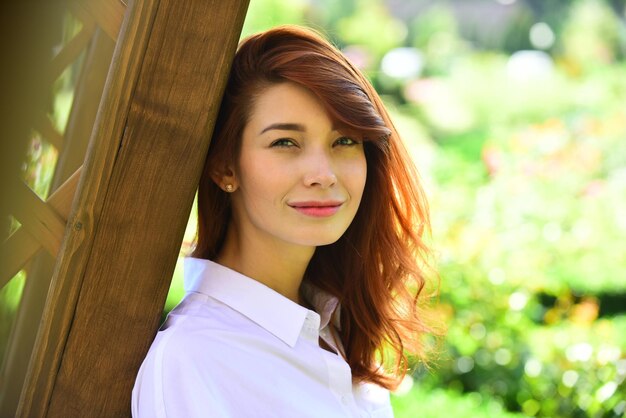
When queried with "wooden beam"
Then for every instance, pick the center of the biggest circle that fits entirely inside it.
(38, 218)
(21, 245)
(142, 169)
(24, 331)
(71, 50)
(87, 95)
(48, 132)
(108, 14)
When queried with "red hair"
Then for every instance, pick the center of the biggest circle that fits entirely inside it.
(377, 268)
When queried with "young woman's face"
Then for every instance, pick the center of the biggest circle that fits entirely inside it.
(299, 180)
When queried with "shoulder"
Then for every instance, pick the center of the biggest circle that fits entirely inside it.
(204, 338)
(197, 334)
(203, 355)
(184, 369)
(202, 312)
(374, 399)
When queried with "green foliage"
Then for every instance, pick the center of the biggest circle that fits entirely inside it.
(177, 290)
(591, 35)
(435, 33)
(9, 300)
(357, 28)
(436, 403)
(529, 188)
(264, 14)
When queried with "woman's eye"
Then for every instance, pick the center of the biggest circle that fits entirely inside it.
(345, 141)
(283, 143)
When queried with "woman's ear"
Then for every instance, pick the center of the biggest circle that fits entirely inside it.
(225, 178)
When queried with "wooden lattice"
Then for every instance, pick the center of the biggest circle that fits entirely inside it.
(43, 222)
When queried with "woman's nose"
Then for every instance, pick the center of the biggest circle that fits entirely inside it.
(319, 171)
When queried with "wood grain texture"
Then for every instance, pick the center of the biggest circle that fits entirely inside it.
(40, 220)
(108, 14)
(22, 245)
(75, 252)
(142, 170)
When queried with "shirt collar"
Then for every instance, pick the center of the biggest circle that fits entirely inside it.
(261, 304)
(325, 304)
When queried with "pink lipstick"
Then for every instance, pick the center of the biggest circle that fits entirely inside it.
(317, 209)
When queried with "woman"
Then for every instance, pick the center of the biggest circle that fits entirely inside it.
(303, 286)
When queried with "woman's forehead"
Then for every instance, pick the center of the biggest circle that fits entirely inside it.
(288, 105)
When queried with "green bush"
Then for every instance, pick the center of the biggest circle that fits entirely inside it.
(423, 402)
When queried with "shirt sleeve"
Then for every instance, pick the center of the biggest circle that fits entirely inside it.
(170, 385)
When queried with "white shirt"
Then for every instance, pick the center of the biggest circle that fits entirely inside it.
(233, 347)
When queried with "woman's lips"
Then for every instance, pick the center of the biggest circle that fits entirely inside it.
(317, 209)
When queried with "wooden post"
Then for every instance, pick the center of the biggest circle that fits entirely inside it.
(133, 201)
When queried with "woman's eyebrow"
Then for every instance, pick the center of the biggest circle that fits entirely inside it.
(284, 127)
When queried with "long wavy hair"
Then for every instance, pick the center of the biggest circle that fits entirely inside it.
(378, 268)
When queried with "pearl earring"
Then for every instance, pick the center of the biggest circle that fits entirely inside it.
(229, 188)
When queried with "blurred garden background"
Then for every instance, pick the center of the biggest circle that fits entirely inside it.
(515, 113)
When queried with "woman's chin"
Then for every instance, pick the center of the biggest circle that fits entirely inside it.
(320, 241)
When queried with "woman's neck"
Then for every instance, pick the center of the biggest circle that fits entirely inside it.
(278, 265)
